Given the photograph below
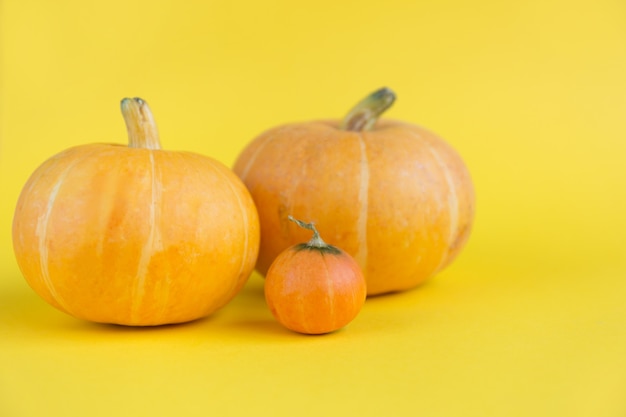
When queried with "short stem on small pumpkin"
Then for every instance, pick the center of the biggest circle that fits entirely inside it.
(316, 241)
(365, 114)
(140, 124)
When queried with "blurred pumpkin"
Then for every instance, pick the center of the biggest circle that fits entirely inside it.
(135, 235)
(393, 195)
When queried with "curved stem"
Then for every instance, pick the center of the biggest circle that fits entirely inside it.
(140, 124)
(365, 114)
(316, 241)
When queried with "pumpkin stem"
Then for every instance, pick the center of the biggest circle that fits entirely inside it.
(142, 130)
(316, 241)
(364, 115)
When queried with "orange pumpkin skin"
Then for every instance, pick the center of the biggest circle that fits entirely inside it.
(133, 236)
(397, 197)
(314, 291)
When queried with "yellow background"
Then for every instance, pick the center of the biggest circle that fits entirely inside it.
(529, 321)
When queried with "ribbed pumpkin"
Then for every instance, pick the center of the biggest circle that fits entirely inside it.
(313, 287)
(135, 235)
(393, 195)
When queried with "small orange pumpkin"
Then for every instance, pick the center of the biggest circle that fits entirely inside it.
(313, 287)
(393, 195)
(135, 235)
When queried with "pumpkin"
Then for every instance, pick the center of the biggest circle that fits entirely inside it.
(313, 287)
(135, 235)
(393, 195)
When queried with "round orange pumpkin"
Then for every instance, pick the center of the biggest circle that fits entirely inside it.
(135, 235)
(393, 195)
(313, 287)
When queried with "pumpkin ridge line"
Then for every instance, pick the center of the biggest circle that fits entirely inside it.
(331, 292)
(42, 231)
(246, 222)
(148, 248)
(53, 162)
(453, 199)
(166, 289)
(34, 181)
(363, 196)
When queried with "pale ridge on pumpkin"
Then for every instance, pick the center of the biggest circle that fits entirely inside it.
(244, 216)
(453, 200)
(42, 233)
(153, 242)
(302, 315)
(330, 293)
(361, 255)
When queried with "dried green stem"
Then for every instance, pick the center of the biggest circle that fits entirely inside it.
(365, 114)
(316, 241)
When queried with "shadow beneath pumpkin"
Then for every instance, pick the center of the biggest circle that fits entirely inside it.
(248, 312)
(22, 309)
(28, 316)
(120, 328)
(426, 286)
(259, 328)
(24, 312)
(248, 315)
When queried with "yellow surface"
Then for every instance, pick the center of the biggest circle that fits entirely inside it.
(530, 321)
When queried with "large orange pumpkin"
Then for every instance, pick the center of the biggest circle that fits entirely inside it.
(135, 235)
(393, 195)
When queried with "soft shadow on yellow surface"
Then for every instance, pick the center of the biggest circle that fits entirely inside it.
(31, 317)
(489, 338)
